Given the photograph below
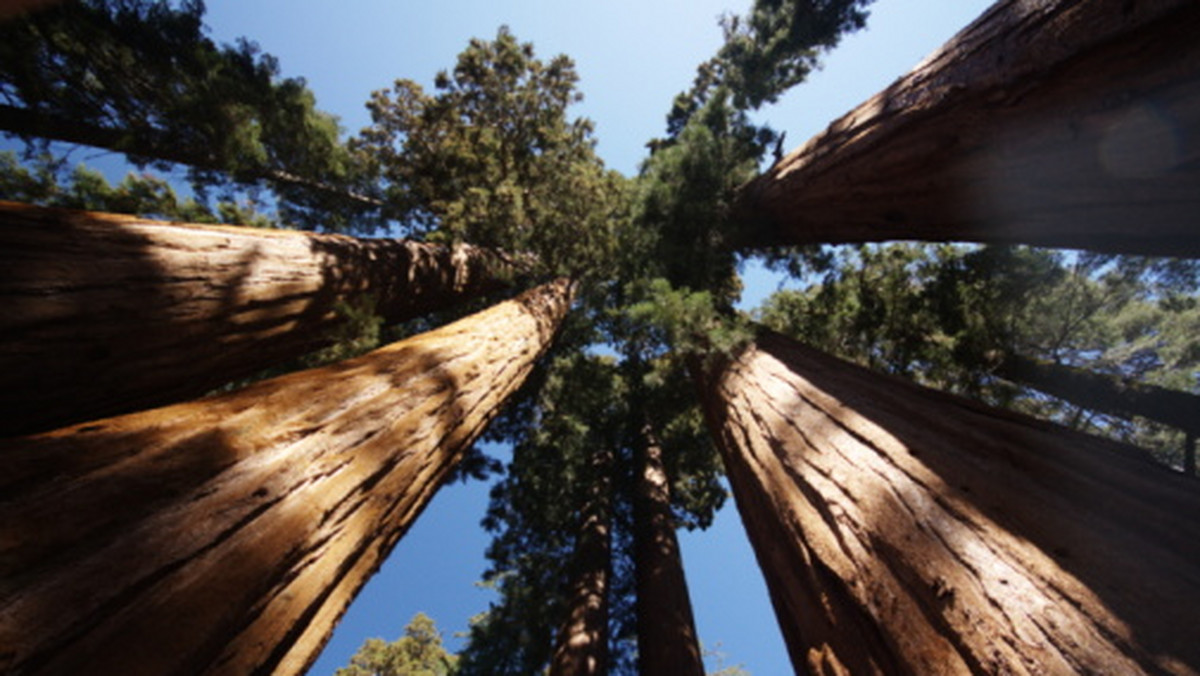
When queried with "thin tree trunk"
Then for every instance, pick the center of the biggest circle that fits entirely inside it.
(667, 643)
(228, 535)
(1058, 123)
(29, 123)
(107, 314)
(903, 530)
(581, 648)
(1104, 393)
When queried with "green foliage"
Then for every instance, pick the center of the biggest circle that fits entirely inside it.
(140, 194)
(141, 77)
(491, 158)
(418, 653)
(945, 315)
(536, 511)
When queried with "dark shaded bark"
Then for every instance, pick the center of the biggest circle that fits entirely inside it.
(1104, 393)
(1062, 123)
(904, 530)
(666, 630)
(581, 648)
(107, 314)
(29, 123)
(228, 535)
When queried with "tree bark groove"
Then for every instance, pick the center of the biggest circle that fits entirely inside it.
(1058, 123)
(229, 534)
(107, 314)
(903, 530)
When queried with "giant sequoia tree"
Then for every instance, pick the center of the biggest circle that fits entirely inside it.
(177, 310)
(901, 530)
(232, 532)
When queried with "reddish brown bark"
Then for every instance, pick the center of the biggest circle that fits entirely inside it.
(1061, 123)
(903, 530)
(581, 648)
(228, 535)
(107, 314)
(667, 643)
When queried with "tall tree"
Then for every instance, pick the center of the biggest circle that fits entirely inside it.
(419, 652)
(147, 82)
(109, 314)
(902, 530)
(581, 648)
(492, 158)
(667, 642)
(1008, 134)
(229, 534)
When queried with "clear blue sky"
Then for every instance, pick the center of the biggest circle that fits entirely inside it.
(633, 56)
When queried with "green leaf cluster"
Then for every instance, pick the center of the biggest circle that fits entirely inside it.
(491, 157)
(419, 652)
(945, 315)
(142, 78)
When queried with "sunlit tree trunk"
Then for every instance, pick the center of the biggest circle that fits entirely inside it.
(1104, 393)
(107, 314)
(903, 530)
(229, 534)
(1059, 123)
(581, 648)
(667, 643)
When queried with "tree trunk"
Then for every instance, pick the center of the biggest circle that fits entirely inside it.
(667, 644)
(228, 535)
(582, 645)
(1057, 123)
(147, 144)
(1103, 393)
(107, 314)
(904, 530)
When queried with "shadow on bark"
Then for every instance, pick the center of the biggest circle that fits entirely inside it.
(232, 532)
(110, 314)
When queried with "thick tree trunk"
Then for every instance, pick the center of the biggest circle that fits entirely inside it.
(1107, 394)
(228, 535)
(107, 314)
(1060, 123)
(581, 648)
(667, 643)
(144, 143)
(903, 530)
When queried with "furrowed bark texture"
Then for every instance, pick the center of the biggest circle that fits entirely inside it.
(228, 535)
(1062, 123)
(1104, 393)
(907, 531)
(107, 314)
(666, 630)
(582, 645)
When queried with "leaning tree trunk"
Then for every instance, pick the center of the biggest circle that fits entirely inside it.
(107, 314)
(1104, 393)
(581, 648)
(903, 530)
(228, 535)
(1061, 123)
(666, 631)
